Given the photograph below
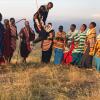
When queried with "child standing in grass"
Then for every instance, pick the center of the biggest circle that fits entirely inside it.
(97, 53)
(59, 45)
(67, 59)
(47, 44)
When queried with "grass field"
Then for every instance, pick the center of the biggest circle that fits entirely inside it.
(36, 81)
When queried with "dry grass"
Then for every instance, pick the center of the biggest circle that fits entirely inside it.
(35, 81)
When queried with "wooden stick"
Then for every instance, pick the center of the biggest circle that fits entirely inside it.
(20, 20)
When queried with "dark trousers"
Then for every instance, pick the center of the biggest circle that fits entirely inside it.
(87, 59)
(46, 55)
(76, 58)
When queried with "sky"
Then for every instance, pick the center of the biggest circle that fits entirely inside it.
(64, 10)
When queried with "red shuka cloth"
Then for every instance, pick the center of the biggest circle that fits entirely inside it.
(68, 55)
(7, 43)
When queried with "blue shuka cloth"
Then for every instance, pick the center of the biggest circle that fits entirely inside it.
(1, 38)
(97, 61)
(58, 56)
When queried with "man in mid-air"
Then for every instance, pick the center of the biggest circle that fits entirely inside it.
(39, 19)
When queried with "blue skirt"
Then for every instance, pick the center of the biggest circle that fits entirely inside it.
(58, 56)
(97, 61)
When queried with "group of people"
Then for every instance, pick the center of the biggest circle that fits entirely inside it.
(8, 37)
(76, 47)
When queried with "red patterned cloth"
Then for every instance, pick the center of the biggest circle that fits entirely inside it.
(7, 52)
(68, 55)
(25, 47)
(13, 37)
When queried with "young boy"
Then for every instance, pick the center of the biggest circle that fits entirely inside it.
(47, 45)
(67, 59)
(59, 45)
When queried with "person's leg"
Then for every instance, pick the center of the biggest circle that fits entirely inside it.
(61, 53)
(38, 32)
(24, 60)
(98, 64)
(11, 54)
(77, 58)
(55, 56)
(45, 57)
(89, 61)
(80, 59)
(7, 60)
(74, 55)
(58, 56)
(42, 35)
(97, 60)
(83, 61)
(2, 60)
(38, 39)
(49, 54)
(42, 58)
(10, 58)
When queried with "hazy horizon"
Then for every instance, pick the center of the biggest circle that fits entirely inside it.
(65, 23)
